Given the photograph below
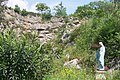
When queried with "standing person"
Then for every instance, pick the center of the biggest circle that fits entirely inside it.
(101, 53)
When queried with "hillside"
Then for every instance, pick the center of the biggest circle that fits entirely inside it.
(62, 47)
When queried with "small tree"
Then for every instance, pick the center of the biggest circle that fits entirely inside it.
(24, 12)
(60, 10)
(17, 9)
(42, 8)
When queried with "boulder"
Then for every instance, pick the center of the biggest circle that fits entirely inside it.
(73, 63)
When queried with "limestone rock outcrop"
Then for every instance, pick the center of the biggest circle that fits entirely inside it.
(31, 23)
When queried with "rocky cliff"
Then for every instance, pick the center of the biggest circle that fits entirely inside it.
(23, 24)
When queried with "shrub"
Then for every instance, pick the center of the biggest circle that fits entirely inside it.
(60, 10)
(22, 58)
(46, 16)
(24, 12)
(17, 9)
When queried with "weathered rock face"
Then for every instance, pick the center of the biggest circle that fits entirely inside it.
(34, 23)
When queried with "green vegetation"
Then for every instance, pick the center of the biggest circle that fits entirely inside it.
(22, 58)
(70, 74)
(24, 12)
(25, 58)
(17, 9)
(116, 76)
(95, 9)
(103, 26)
(44, 10)
(60, 10)
(42, 7)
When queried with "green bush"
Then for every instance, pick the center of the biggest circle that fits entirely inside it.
(46, 16)
(22, 58)
(94, 9)
(17, 9)
(24, 12)
(110, 36)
